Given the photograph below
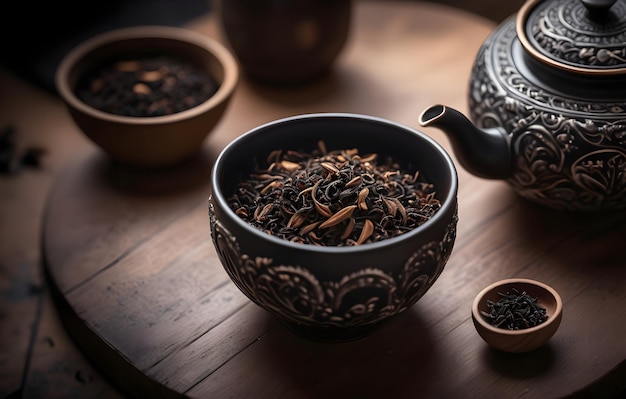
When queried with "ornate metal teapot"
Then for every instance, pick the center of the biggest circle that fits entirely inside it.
(547, 103)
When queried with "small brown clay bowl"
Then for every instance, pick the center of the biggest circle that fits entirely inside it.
(525, 339)
(148, 141)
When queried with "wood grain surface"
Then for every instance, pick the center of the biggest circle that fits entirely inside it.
(142, 292)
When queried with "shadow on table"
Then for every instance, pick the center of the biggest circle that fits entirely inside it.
(573, 240)
(520, 365)
(189, 175)
(314, 91)
(397, 357)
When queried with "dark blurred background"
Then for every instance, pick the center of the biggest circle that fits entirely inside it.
(36, 34)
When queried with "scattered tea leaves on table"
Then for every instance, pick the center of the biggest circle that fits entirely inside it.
(336, 198)
(515, 311)
(146, 85)
(8, 147)
(13, 159)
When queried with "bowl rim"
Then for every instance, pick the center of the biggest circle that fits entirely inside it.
(450, 201)
(201, 41)
(554, 318)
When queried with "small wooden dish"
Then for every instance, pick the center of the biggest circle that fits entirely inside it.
(525, 339)
(149, 141)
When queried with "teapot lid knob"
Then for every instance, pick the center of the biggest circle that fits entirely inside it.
(593, 5)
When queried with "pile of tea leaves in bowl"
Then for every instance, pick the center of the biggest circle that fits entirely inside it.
(515, 311)
(145, 85)
(334, 198)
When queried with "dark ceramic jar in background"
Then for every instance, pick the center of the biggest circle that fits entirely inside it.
(286, 41)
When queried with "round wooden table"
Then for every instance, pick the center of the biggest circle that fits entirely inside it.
(144, 295)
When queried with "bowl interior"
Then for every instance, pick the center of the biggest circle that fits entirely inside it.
(414, 151)
(546, 297)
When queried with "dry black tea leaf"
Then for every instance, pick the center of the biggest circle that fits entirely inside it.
(145, 85)
(337, 198)
(515, 311)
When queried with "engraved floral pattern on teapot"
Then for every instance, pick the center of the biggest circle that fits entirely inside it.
(547, 106)
(569, 153)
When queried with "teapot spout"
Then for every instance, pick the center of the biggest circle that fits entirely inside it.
(482, 152)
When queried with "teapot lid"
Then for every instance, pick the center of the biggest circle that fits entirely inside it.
(581, 36)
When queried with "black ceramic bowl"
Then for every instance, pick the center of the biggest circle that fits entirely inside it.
(333, 292)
